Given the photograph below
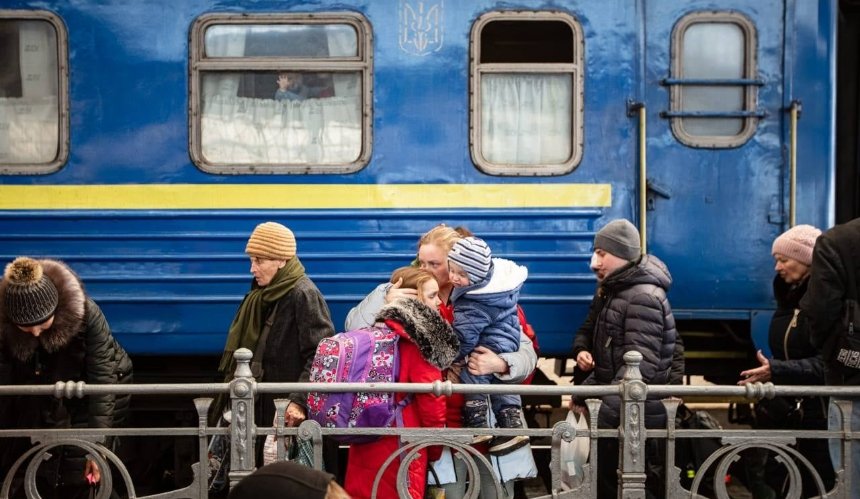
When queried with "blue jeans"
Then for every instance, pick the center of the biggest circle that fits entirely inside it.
(834, 422)
(497, 401)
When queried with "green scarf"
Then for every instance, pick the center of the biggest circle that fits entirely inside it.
(248, 324)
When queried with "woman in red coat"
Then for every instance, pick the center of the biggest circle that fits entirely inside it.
(427, 346)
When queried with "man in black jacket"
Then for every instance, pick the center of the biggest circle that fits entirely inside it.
(630, 312)
(835, 264)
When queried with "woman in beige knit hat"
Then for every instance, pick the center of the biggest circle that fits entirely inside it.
(284, 300)
(794, 362)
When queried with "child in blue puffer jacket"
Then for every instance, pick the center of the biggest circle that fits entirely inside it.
(485, 297)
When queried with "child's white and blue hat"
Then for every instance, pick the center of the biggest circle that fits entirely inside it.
(474, 256)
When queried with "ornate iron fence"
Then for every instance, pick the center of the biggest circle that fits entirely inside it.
(631, 434)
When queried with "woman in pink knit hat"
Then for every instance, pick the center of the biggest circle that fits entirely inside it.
(795, 362)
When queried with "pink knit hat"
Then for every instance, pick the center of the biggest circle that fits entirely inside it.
(796, 243)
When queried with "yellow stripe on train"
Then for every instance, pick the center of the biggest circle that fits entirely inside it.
(302, 196)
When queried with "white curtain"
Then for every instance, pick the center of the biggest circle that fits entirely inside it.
(29, 125)
(342, 43)
(229, 42)
(240, 130)
(526, 118)
(264, 131)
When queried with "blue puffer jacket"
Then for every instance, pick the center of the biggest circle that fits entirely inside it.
(485, 313)
(635, 316)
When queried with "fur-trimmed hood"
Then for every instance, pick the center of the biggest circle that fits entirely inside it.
(426, 328)
(69, 317)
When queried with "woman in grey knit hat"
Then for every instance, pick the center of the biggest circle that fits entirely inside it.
(51, 331)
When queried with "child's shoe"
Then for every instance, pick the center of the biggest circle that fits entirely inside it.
(509, 417)
(475, 416)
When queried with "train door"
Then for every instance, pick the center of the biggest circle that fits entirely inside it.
(713, 94)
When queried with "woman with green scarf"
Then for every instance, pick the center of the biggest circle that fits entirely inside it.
(297, 316)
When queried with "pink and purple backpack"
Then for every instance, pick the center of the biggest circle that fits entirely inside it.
(367, 355)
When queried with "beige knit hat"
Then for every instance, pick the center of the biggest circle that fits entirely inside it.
(273, 241)
(797, 243)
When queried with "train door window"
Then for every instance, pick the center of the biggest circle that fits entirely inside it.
(34, 127)
(713, 85)
(286, 93)
(526, 93)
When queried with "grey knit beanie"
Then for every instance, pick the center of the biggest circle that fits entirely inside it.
(620, 238)
(474, 256)
(30, 297)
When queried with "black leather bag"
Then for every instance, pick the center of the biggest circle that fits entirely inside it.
(778, 413)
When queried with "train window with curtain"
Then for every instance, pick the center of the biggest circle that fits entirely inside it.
(713, 84)
(526, 93)
(34, 128)
(280, 93)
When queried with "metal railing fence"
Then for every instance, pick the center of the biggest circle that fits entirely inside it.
(631, 433)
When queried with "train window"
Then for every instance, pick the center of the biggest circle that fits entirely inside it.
(713, 85)
(33, 93)
(286, 93)
(526, 93)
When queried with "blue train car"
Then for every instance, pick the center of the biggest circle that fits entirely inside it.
(141, 142)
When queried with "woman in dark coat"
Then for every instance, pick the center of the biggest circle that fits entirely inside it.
(51, 331)
(281, 320)
(795, 362)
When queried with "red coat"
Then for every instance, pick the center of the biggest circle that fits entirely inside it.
(424, 411)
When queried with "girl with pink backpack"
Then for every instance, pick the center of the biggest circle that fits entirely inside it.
(426, 346)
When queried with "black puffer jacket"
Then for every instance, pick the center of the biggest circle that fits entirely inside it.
(795, 361)
(584, 341)
(635, 316)
(79, 346)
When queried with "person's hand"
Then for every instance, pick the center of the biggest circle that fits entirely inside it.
(575, 408)
(484, 361)
(584, 361)
(395, 292)
(295, 415)
(91, 472)
(759, 374)
(452, 374)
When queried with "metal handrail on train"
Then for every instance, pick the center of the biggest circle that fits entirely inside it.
(632, 433)
(794, 111)
(643, 179)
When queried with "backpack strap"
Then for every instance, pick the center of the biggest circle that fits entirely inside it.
(398, 410)
(257, 359)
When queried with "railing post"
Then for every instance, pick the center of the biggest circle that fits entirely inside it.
(202, 405)
(242, 428)
(632, 478)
